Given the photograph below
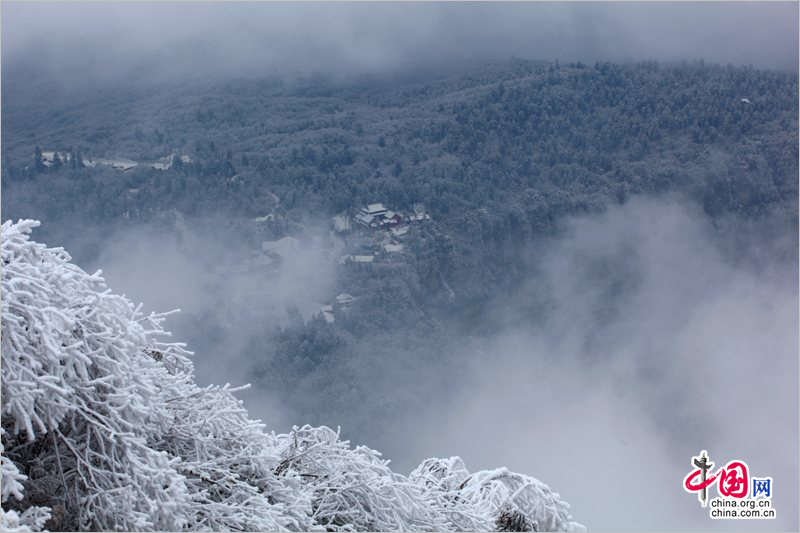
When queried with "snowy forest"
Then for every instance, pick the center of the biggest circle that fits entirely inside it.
(261, 273)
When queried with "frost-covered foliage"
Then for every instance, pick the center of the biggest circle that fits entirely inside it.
(442, 481)
(33, 518)
(354, 489)
(228, 462)
(79, 395)
(104, 418)
(516, 500)
(493, 500)
(103, 428)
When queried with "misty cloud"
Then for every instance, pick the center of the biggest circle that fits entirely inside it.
(152, 41)
(198, 269)
(661, 337)
(655, 346)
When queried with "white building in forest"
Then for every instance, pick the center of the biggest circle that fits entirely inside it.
(378, 216)
(371, 215)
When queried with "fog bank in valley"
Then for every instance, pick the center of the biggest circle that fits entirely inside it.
(656, 344)
(640, 336)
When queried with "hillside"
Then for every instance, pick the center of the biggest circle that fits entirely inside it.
(527, 140)
(501, 157)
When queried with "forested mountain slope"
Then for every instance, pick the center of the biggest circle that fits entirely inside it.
(528, 140)
(500, 156)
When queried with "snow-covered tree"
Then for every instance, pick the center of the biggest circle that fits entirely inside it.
(32, 518)
(354, 489)
(100, 414)
(493, 500)
(79, 395)
(104, 428)
(442, 479)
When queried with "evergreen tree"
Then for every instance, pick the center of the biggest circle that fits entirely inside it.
(56, 161)
(38, 163)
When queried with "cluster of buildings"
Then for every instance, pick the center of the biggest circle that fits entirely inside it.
(378, 216)
(48, 160)
(165, 163)
(354, 241)
(65, 158)
(379, 244)
(116, 164)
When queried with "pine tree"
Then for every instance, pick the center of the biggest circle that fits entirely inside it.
(38, 163)
(57, 163)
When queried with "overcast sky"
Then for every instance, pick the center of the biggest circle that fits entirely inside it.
(177, 38)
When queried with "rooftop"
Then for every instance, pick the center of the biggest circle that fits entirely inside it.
(374, 209)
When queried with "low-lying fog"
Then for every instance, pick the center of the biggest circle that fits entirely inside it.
(663, 335)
